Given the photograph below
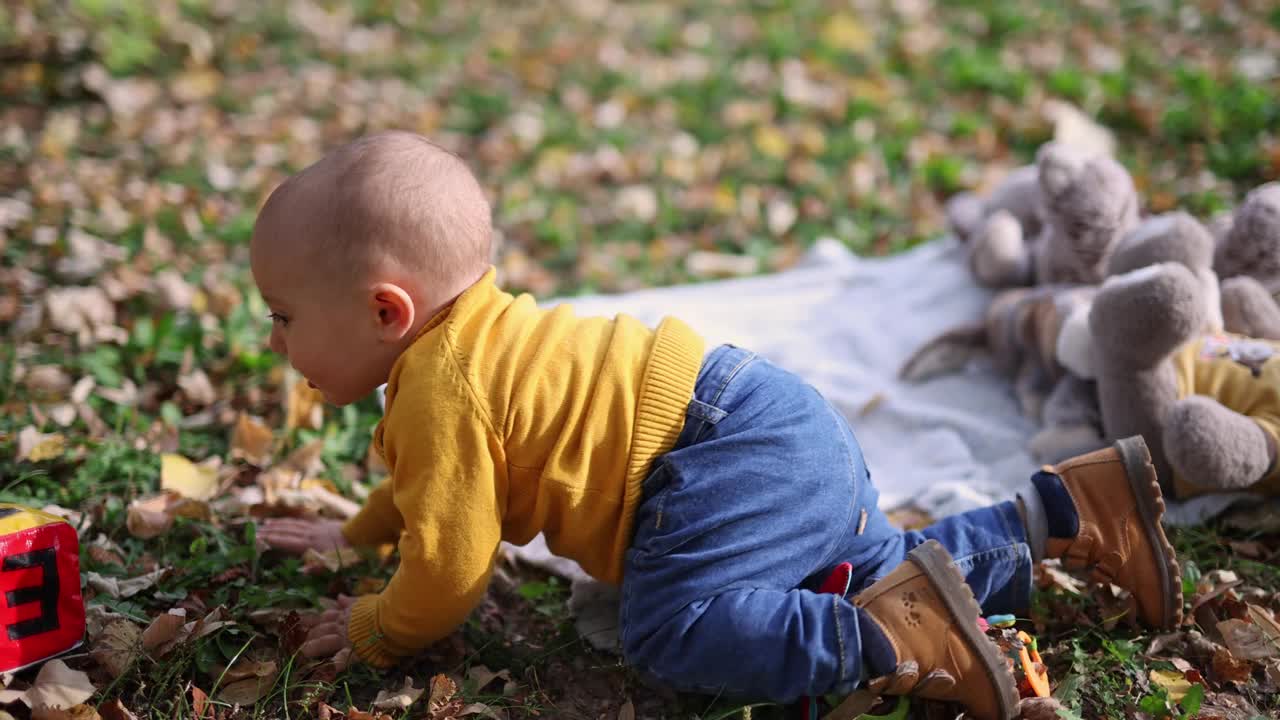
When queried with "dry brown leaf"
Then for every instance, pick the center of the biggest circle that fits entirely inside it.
(252, 441)
(443, 690)
(478, 708)
(1228, 668)
(1273, 672)
(482, 676)
(249, 681)
(197, 387)
(117, 588)
(78, 712)
(115, 710)
(200, 703)
(305, 407)
(152, 516)
(331, 560)
(398, 699)
(1265, 620)
(198, 482)
(55, 686)
(1061, 579)
(47, 381)
(306, 460)
(35, 446)
(1248, 641)
(115, 648)
(163, 630)
(627, 711)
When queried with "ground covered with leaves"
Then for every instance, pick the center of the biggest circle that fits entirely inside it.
(624, 144)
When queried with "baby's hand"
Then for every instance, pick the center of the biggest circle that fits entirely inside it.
(297, 535)
(328, 634)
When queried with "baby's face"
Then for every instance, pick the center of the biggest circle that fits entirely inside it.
(324, 331)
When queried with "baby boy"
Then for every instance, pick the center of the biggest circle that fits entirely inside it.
(721, 492)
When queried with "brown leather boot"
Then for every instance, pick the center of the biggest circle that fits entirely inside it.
(1119, 537)
(930, 618)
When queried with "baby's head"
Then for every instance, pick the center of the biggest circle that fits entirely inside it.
(357, 252)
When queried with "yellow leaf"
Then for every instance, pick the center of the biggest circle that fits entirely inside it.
(251, 440)
(34, 446)
(305, 407)
(198, 482)
(772, 142)
(845, 32)
(1173, 682)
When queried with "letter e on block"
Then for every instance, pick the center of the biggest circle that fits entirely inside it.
(41, 608)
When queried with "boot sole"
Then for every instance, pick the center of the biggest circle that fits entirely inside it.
(1146, 488)
(947, 581)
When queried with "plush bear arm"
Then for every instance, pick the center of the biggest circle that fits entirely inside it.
(1001, 256)
(1248, 309)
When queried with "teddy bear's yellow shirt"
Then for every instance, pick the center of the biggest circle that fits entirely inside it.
(1243, 374)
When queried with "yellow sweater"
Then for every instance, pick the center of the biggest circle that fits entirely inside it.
(1244, 375)
(504, 420)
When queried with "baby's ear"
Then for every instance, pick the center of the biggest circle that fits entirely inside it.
(394, 310)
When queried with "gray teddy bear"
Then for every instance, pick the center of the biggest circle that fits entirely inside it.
(1207, 402)
(1247, 258)
(1052, 223)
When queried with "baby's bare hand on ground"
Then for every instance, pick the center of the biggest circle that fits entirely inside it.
(297, 535)
(327, 636)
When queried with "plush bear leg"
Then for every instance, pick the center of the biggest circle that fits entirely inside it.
(1137, 320)
(1214, 447)
(1000, 256)
(1248, 309)
(1071, 423)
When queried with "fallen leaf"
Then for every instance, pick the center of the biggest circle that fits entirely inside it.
(398, 699)
(152, 516)
(47, 381)
(1173, 682)
(1060, 579)
(163, 629)
(197, 387)
(55, 686)
(478, 708)
(482, 676)
(115, 710)
(1265, 620)
(35, 446)
(198, 482)
(627, 711)
(117, 588)
(77, 712)
(1248, 641)
(1228, 668)
(115, 648)
(252, 441)
(305, 407)
(845, 32)
(249, 691)
(331, 560)
(200, 703)
(443, 689)
(1273, 672)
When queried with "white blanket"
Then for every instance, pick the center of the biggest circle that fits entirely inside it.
(846, 324)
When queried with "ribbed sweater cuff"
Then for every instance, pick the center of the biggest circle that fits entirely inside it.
(367, 640)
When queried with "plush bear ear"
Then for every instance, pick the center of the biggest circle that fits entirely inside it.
(1058, 166)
